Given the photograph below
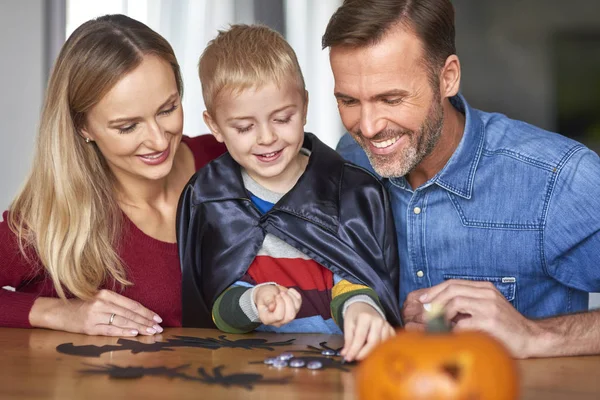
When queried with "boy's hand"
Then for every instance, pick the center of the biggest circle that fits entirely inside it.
(364, 327)
(277, 305)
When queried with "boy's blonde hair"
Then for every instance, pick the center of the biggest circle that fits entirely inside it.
(243, 57)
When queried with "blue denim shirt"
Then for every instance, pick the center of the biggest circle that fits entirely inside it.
(515, 205)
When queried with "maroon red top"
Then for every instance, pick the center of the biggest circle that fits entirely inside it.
(152, 265)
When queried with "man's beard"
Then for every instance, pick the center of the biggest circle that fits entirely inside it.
(420, 145)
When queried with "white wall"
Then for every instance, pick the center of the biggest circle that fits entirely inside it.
(22, 83)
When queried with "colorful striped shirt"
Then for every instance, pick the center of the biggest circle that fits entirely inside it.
(325, 296)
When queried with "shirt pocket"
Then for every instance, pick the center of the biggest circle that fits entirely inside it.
(507, 285)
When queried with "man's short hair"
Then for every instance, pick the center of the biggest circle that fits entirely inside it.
(365, 22)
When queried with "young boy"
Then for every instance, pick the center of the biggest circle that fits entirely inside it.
(281, 234)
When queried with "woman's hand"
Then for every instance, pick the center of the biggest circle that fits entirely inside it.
(107, 314)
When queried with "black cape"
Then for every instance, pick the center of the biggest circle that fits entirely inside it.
(337, 213)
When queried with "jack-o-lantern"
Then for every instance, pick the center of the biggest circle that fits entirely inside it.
(438, 365)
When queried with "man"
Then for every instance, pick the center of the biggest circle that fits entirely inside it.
(496, 219)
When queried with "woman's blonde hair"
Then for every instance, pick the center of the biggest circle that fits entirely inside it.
(67, 213)
(243, 57)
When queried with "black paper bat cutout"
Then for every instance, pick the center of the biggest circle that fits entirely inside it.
(180, 341)
(319, 350)
(246, 381)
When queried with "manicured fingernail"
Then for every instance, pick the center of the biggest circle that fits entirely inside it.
(423, 297)
(427, 306)
(157, 319)
(134, 332)
(158, 328)
(150, 331)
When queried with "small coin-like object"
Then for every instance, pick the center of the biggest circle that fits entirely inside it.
(328, 353)
(285, 356)
(314, 365)
(280, 363)
(296, 363)
(269, 361)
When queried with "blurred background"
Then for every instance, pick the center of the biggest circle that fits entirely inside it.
(533, 60)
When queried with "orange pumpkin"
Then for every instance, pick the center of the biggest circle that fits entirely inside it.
(423, 365)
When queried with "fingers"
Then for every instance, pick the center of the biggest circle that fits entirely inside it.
(351, 349)
(387, 332)
(111, 330)
(373, 338)
(273, 313)
(129, 314)
(296, 298)
(482, 290)
(428, 295)
(266, 304)
(279, 309)
(143, 314)
(124, 318)
(290, 308)
(413, 312)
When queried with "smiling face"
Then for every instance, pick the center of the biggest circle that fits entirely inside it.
(387, 102)
(263, 129)
(138, 125)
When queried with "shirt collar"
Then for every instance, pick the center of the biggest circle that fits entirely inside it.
(458, 174)
(315, 196)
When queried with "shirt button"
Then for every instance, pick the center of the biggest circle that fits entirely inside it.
(420, 274)
(417, 210)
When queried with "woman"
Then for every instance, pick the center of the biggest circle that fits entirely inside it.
(89, 243)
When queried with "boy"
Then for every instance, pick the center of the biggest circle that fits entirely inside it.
(281, 234)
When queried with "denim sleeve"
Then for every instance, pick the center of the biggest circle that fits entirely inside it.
(571, 238)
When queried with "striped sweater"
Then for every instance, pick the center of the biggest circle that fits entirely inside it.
(325, 296)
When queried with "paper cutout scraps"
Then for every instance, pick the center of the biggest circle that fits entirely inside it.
(180, 341)
(245, 381)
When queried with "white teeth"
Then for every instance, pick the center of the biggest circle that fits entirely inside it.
(269, 154)
(387, 143)
(154, 157)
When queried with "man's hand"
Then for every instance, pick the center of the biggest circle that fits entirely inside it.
(471, 305)
(364, 328)
(277, 305)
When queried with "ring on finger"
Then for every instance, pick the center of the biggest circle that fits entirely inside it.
(112, 318)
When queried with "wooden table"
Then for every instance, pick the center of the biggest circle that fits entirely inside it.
(33, 369)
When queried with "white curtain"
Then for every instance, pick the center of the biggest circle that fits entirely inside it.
(187, 24)
(305, 24)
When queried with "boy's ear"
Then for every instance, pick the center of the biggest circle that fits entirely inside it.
(305, 110)
(212, 125)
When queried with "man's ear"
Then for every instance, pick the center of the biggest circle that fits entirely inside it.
(212, 125)
(450, 77)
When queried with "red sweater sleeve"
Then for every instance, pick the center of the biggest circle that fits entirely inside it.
(205, 148)
(15, 271)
